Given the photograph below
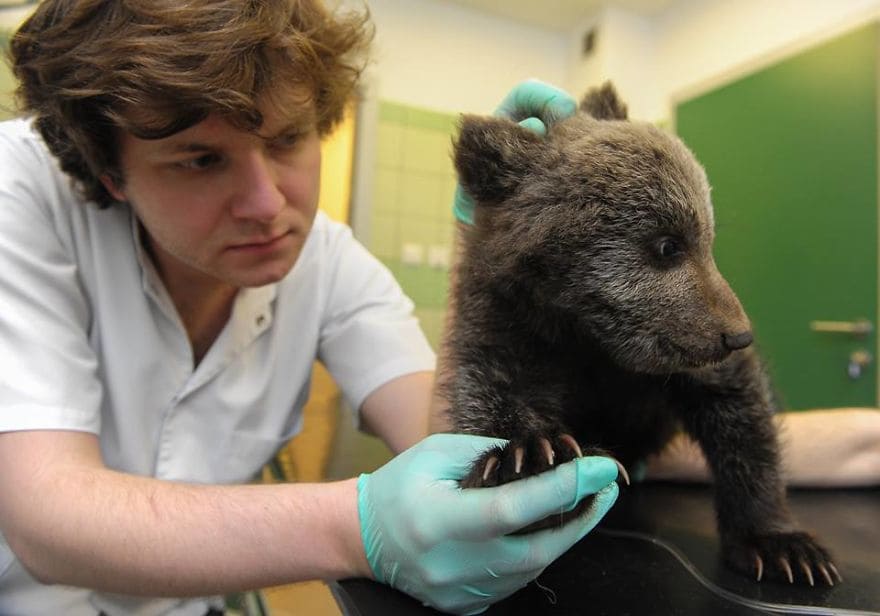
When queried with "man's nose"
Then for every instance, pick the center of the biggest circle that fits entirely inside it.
(257, 196)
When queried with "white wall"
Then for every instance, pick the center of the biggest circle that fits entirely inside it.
(448, 58)
(699, 44)
(624, 53)
(703, 43)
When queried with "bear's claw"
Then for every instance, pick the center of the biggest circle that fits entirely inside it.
(523, 458)
(772, 555)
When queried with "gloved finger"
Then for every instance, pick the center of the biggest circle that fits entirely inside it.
(463, 204)
(548, 545)
(534, 98)
(492, 512)
(528, 555)
(535, 125)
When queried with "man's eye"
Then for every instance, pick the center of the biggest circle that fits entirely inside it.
(286, 142)
(199, 163)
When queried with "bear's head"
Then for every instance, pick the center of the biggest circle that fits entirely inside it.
(605, 222)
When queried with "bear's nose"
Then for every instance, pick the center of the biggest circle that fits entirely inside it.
(734, 342)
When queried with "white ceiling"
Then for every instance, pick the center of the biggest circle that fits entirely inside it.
(559, 14)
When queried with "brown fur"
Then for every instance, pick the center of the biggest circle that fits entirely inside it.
(589, 304)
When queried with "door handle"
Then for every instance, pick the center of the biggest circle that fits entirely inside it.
(858, 328)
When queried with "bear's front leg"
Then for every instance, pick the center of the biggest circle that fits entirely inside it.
(504, 388)
(728, 411)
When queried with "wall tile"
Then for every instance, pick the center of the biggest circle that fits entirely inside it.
(389, 145)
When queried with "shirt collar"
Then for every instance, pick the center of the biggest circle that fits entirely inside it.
(252, 309)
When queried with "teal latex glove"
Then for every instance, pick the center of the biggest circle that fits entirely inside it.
(532, 103)
(450, 547)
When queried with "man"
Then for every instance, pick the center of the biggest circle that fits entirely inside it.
(167, 284)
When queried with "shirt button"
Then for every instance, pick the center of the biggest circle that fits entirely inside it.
(260, 320)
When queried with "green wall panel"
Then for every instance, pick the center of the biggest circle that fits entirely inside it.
(791, 153)
(414, 182)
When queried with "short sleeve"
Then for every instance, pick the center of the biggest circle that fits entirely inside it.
(48, 371)
(370, 335)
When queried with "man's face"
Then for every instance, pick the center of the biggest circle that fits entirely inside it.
(221, 205)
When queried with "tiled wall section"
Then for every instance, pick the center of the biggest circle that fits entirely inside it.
(411, 219)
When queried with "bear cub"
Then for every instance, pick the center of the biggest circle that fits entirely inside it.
(591, 317)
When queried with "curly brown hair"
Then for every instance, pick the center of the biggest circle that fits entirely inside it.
(88, 68)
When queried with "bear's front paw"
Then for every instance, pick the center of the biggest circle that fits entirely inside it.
(791, 556)
(530, 456)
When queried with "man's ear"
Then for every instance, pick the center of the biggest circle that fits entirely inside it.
(113, 187)
(492, 155)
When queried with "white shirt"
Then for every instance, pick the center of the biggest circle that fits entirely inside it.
(90, 341)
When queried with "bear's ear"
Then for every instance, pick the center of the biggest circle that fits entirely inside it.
(492, 155)
(603, 103)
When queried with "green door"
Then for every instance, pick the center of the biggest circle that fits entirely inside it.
(791, 153)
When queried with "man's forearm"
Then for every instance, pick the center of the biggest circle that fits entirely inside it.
(100, 529)
(847, 440)
(398, 411)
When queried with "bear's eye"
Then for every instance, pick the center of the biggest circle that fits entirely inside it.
(669, 247)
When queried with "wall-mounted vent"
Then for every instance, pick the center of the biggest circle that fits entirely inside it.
(588, 42)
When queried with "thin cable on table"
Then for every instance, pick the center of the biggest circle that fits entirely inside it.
(761, 606)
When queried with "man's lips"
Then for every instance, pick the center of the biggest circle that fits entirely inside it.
(260, 243)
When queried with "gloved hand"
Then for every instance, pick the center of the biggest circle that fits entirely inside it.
(533, 104)
(450, 547)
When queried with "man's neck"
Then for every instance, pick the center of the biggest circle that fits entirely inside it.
(204, 312)
(203, 302)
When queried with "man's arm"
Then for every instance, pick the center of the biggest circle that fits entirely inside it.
(70, 520)
(398, 411)
(846, 440)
